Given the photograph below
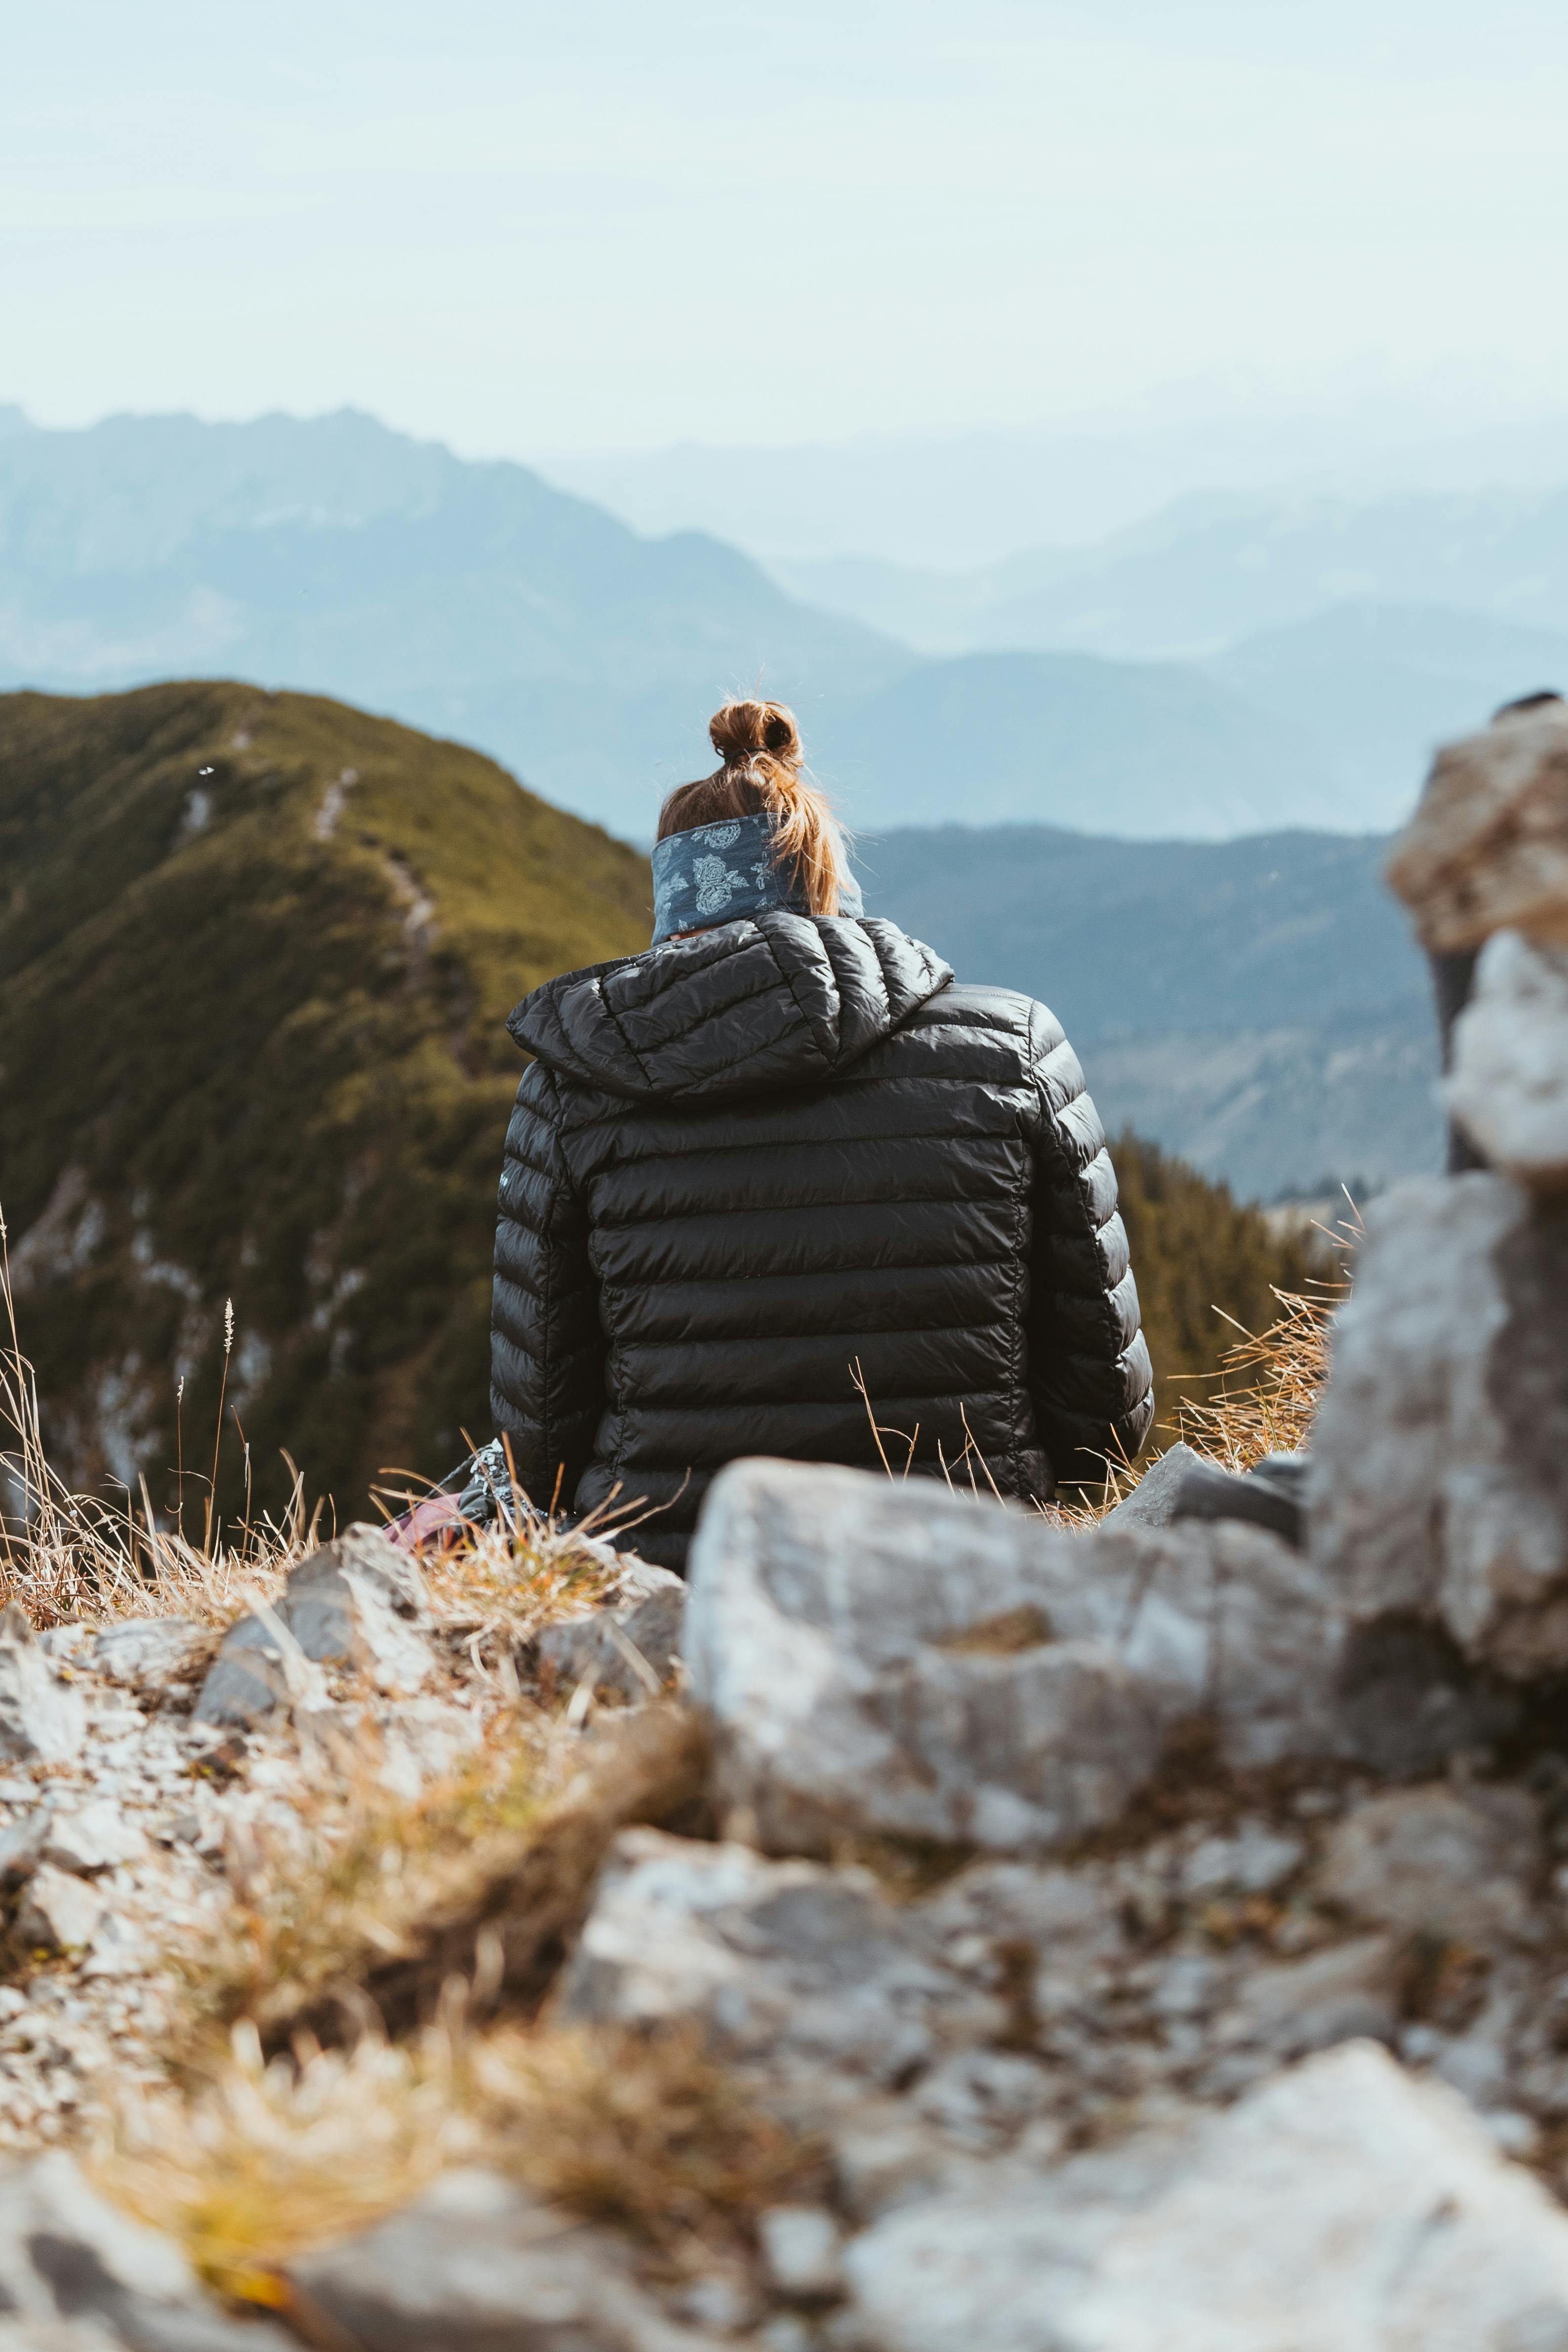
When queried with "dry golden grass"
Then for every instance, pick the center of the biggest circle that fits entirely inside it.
(85, 1558)
(641, 2130)
(1266, 1399)
(496, 1589)
(260, 2162)
(484, 1875)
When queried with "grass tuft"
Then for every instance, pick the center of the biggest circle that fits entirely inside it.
(485, 1876)
(262, 2162)
(71, 1558)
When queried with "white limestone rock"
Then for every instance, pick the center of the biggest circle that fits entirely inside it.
(148, 1652)
(476, 2261)
(66, 2253)
(1458, 1864)
(1508, 1087)
(90, 1837)
(900, 1659)
(358, 1604)
(41, 1718)
(782, 1963)
(1487, 849)
(802, 2253)
(1342, 2203)
(1151, 1502)
(1439, 1480)
(630, 1646)
(59, 1912)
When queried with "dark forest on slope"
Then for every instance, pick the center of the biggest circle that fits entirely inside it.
(256, 952)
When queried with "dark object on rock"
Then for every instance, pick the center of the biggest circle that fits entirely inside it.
(1268, 1496)
(732, 1150)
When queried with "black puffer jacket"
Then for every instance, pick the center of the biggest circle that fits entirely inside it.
(744, 1162)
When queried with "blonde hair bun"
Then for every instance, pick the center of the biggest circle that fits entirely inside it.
(741, 731)
(759, 744)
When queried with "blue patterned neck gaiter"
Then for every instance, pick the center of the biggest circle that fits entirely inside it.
(717, 873)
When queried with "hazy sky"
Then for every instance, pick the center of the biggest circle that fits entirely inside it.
(614, 223)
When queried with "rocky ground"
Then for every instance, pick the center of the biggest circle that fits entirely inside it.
(936, 1926)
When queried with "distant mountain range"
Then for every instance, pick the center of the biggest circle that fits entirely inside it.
(1364, 635)
(1131, 689)
(972, 496)
(1258, 1007)
(469, 599)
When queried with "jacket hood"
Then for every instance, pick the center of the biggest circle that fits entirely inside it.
(776, 1000)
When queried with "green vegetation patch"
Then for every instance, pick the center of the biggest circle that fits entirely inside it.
(256, 952)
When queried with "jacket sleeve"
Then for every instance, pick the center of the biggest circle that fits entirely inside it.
(1089, 1374)
(546, 1346)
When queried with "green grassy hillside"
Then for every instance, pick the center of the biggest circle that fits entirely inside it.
(256, 953)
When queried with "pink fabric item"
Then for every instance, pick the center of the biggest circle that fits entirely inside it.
(430, 1518)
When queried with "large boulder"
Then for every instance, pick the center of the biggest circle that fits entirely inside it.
(1342, 2203)
(1439, 1481)
(1487, 849)
(1508, 1084)
(895, 1658)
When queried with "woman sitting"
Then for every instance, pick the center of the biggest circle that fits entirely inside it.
(780, 1169)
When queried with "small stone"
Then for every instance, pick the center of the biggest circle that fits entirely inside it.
(1208, 1492)
(246, 1682)
(1250, 1861)
(1453, 1864)
(1290, 2008)
(1151, 1502)
(59, 1912)
(21, 1843)
(348, 1605)
(802, 2253)
(40, 1716)
(982, 2099)
(118, 1949)
(95, 1836)
(787, 1964)
(148, 1652)
(723, 2299)
(476, 2261)
(610, 1643)
(786, 2331)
